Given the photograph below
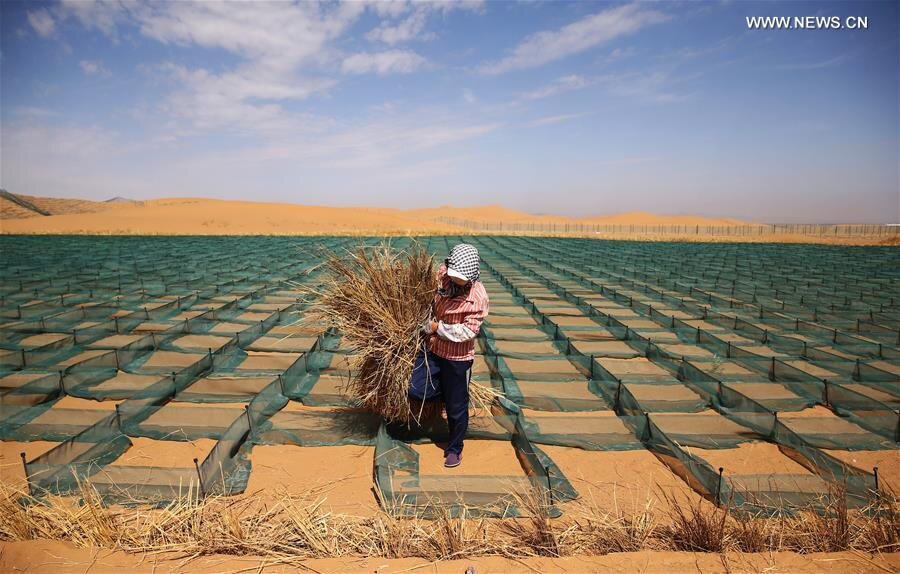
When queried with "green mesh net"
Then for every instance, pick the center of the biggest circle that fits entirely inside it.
(699, 353)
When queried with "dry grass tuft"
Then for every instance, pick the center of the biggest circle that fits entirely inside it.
(300, 527)
(378, 298)
(697, 526)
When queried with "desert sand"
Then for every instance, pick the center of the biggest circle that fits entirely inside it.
(11, 471)
(203, 216)
(42, 556)
(619, 481)
(344, 484)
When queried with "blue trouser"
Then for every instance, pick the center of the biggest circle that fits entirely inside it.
(448, 380)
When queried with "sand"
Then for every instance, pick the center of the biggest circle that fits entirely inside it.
(526, 320)
(16, 380)
(641, 324)
(43, 556)
(531, 413)
(115, 341)
(692, 351)
(123, 381)
(817, 411)
(553, 394)
(174, 417)
(605, 348)
(164, 453)
(480, 458)
(625, 480)
(267, 361)
(886, 366)
(749, 458)
(636, 369)
(342, 475)
(41, 339)
(658, 336)
(201, 342)
(550, 366)
(282, 343)
(11, 471)
(877, 394)
(171, 360)
(230, 386)
(536, 347)
(82, 356)
(887, 461)
(589, 334)
(764, 391)
(666, 393)
(68, 402)
(813, 370)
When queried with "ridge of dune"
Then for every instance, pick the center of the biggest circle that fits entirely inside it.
(62, 206)
(206, 216)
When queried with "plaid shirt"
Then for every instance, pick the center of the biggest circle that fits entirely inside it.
(468, 308)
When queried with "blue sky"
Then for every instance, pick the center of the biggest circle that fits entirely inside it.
(575, 108)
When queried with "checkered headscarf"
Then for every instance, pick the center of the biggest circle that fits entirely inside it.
(463, 259)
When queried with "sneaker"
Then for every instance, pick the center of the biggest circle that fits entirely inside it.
(452, 460)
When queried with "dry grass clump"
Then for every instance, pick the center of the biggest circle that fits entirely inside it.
(702, 527)
(378, 298)
(299, 527)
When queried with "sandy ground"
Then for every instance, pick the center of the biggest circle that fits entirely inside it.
(626, 481)
(44, 556)
(11, 471)
(887, 461)
(68, 402)
(344, 481)
(749, 458)
(164, 453)
(199, 216)
(480, 457)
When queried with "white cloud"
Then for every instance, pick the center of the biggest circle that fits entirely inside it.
(42, 22)
(281, 46)
(468, 96)
(94, 68)
(277, 35)
(547, 46)
(103, 15)
(390, 8)
(410, 28)
(655, 86)
(558, 86)
(382, 63)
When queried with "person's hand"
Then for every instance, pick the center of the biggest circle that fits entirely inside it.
(429, 327)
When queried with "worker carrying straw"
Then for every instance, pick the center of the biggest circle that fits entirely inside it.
(443, 371)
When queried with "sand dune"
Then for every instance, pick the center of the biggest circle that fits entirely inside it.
(212, 216)
(487, 214)
(11, 210)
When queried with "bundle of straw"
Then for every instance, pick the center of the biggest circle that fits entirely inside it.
(378, 298)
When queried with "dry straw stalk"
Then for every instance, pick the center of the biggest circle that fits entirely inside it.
(378, 298)
(283, 526)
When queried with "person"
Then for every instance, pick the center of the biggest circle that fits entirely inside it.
(444, 370)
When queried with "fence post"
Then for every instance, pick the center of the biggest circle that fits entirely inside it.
(719, 488)
(200, 479)
(25, 472)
